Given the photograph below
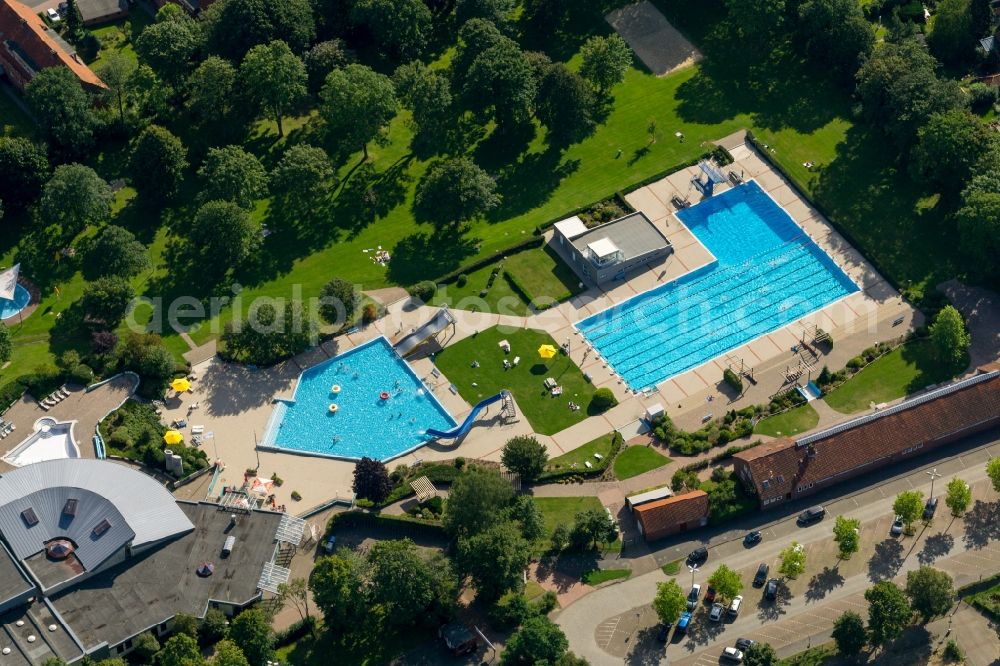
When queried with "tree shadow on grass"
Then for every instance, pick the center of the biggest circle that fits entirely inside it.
(422, 254)
(823, 583)
(935, 546)
(886, 560)
(528, 183)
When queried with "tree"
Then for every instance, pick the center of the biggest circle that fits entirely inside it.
(526, 456)
(296, 592)
(157, 163)
(757, 22)
(23, 171)
(592, 527)
(888, 611)
(952, 37)
(979, 231)
(958, 497)
(274, 79)
(339, 586)
(303, 178)
(981, 14)
(930, 591)
(339, 301)
(62, 110)
(497, 12)
(849, 634)
(453, 191)
(251, 632)
(371, 480)
(474, 38)
(210, 89)
(107, 300)
(501, 79)
(357, 104)
(223, 235)
(146, 356)
(227, 653)
(401, 582)
(234, 27)
(74, 21)
(117, 73)
(170, 47)
(145, 646)
(232, 174)
(605, 61)
(948, 335)
(214, 627)
(526, 512)
(74, 198)
(908, 506)
(116, 251)
(669, 602)
(760, 654)
(399, 27)
(948, 148)
(427, 93)
(180, 650)
(495, 558)
(6, 345)
(538, 640)
(837, 34)
(993, 471)
(727, 583)
(846, 532)
(477, 498)
(322, 59)
(565, 104)
(270, 333)
(793, 560)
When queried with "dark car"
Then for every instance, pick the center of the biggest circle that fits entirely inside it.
(698, 556)
(710, 595)
(752, 538)
(745, 643)
(663, 632)
(930, 508)
(811, 515)
(761, 576)
(771, 590)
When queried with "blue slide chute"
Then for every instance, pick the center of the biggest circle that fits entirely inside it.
(455, 433)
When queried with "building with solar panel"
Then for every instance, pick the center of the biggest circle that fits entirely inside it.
(94, 553)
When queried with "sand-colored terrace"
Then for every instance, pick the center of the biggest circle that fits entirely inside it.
(235, 403)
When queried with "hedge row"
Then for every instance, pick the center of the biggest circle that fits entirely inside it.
(617, 443)
(533, 241)
(358, 518)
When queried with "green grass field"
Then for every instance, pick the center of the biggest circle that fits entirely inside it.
(902, 371)
(562, 510)
(636, 460)
(792, 422)
(501, 297)
(598, 576)
(546, 414)
(583, 454)
(545, 277)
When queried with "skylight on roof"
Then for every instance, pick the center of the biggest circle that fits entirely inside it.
(29, 517)
(69, 508)
(102, 527)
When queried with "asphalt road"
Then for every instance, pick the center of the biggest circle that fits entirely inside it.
(615, 625)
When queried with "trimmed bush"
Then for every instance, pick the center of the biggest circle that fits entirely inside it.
(423, 290)
(733, 380)
(603, 400)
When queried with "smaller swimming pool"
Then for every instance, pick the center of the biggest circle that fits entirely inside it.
(366, 402)
(51, 441)
(9, 308)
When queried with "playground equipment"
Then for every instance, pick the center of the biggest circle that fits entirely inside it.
(507, 410)
(440, 321)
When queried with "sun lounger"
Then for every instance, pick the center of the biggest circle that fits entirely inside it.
(599, 456)
(550, 383)
(505, 346)
(44, 407)
(453, 389)
(587, 463)
(557, 391)
(197, 430)
(517, 359)
(435, 373)
(506, 364)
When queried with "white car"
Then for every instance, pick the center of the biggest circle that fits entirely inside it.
(715, 615)
(53, 15)
(693, 596)
(733, 655)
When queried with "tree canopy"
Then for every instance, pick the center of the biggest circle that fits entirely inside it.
(62, 109)
(405, 585)
(210, 89)
(669, 602)
(454, 190)
(476, 499)
(274, 79)
(952, 37)
(501, 80)
(526, 456)
(400, 27)
(357, 104)
(157, 163)
(74, 198)
(605, 61)
(170, 47)
(23, 171)
(116, 251)
(849, 634)
(338, 583)
(908, 506)
(958, 497)
(838, 36)
(232, 174)
(888, 611)
(846, 532)
(234, 27)
(951, 340)
(727, 583)
(930, 591)
(948, 147)
(538, 640)
(251, 632)
(565, 104)
(495, 558)
(793, 560)
(371, 480)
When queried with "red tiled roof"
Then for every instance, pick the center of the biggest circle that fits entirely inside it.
(666, 514)
(781, 466)
(21, 25)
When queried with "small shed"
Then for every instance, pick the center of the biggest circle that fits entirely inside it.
(423, 488)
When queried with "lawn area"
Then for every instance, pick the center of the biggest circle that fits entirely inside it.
(543, 275)
(814, 656)
(635, 460)
(904, 370)
(501, 298)
(546, 414)
(672, 568)
(561, 510)
(795, 420)
(580, 455)
(598, 576)
(113, 36)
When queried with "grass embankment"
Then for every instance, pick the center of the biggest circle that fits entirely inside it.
(636, 460)
(794, 421)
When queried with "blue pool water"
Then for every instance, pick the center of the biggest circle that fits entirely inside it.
(767, 274)
(364, 424)
(10, 308)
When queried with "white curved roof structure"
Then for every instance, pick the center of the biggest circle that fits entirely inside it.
(115, 505)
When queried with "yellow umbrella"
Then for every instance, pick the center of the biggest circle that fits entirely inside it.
(181, 385)
(173, 437)
(547, 351)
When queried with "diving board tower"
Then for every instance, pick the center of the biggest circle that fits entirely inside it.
(713, 177)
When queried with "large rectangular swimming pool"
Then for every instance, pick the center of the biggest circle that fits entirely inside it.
(767, 273)
(366, 402)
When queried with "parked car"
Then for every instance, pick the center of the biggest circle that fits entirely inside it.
(745, 643)
(734, 605)
(811, 515)
(771, 590)
(693, 596)
(53, 15)
(330, 544)
(698, 556)
(663, 632)
(930, 508)
(897, 527)
(732, 654)
(710, 595)
(458, 638)
(683, 623)
(752, 538)
(716, 613)
(761, 576)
